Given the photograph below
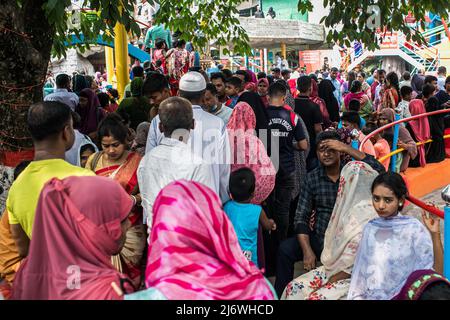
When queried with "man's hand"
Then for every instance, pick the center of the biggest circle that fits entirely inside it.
(335, 145)
(309, 260)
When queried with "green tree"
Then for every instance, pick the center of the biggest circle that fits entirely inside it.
(29, 29)
(359, 19)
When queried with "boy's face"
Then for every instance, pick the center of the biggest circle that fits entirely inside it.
(231, 90)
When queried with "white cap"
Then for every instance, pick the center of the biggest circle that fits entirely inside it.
(192, 82)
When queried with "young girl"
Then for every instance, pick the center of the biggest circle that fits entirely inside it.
(245, 216)
(392, 246)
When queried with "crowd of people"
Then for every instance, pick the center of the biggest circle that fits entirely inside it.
(204, 186)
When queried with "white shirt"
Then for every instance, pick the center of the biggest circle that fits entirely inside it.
(64, 96)
(171, 160)
(208, 140)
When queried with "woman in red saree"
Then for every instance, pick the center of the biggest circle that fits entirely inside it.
(117, 163)
(390, 98)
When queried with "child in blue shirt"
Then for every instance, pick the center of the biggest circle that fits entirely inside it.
(244, 215)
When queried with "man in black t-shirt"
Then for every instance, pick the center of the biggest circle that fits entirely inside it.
(286, 129)
(311, 115)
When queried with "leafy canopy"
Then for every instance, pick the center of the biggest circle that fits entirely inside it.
(199, 21)
(359, 19)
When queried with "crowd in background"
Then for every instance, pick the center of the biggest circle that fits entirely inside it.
(196, 185)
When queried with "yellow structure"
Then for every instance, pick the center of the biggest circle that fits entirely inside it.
(283, 50)
(121, 56)
(109, 58)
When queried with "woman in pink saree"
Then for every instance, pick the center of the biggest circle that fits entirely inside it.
(80, 223)
(194, 252)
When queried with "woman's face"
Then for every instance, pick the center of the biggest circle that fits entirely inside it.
(262, 89)
(385, 202)
(383, 120)
(360, 78)
(113, 148)
(84, 102)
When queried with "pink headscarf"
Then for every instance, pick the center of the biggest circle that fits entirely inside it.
(314, 97)
(76, 231)
(248, 151)
(194, 253)
(421, 127)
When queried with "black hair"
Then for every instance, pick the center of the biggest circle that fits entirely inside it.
(62, 80)
(76, 118)
(313, 76)
(439, 290)
(363, 74)
(103, 98)
(175, 113)
(217, 75)
(352, 117)
(304, 84)
(428, 90)
(113, 126)
(394, 182)
(276, 70)
(89, 80)
(429, 79)
(284, 83)
(334, 69)
(159, 43)
(405, 90)
(211, 88)
(114, 93)
(138, 71)
(235, 81)
(354, 105)
(180, 43)
(381, 71)
(327, 135)
(369, 129)
(351, 77)
(442, 69)
(392, 77)
(242, 184)
(243, 73)
(277, 89)
(261, 75)
(192, 96)
(227, 73)
(356, 86)
(48, 118)
(285, 72)
(406, 76)
(146, 64)
(447, 80)
(20, 167)
(154, 82)
(87, 147)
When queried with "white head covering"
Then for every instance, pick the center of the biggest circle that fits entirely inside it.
(192, 82)
(73, 154)
(352, 211)
(390, 250)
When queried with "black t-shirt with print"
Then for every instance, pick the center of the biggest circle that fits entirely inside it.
(285, 126)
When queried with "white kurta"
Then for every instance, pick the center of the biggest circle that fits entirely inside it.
(170, 161)
(209, 140)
